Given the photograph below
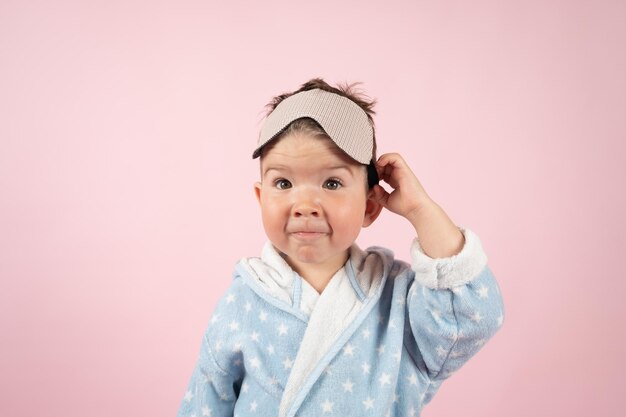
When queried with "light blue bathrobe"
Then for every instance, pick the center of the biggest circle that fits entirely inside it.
(378, 341)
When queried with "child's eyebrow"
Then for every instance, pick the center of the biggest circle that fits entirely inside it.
(344, 167)
(275, 168)
(282, 168)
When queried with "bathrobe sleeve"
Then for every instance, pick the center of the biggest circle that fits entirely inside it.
(215, 382)
(454, 306)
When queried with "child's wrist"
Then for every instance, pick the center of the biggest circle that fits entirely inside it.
(421, 210)
(437, 233)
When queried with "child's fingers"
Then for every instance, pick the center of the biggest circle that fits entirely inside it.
(387, 176)
(393, 169)
(386, 165)
(391, 159)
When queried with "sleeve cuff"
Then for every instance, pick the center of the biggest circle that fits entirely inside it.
(454, 271)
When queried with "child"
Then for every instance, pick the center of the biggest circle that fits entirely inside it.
(316, 325)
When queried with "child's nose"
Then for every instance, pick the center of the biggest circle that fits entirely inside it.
(306, 210)
(306, 205)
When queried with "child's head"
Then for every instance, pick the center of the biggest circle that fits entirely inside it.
(341, 114)
(315, 150)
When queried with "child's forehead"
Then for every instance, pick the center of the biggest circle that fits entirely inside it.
(314, 149)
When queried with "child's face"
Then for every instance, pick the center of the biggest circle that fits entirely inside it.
(314, 200)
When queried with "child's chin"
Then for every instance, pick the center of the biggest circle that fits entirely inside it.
(308, 255)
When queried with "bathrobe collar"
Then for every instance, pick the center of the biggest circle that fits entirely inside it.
(363, 270)
(332, 315)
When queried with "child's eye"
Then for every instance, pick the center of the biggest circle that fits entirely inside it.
(282, 184)
(332, 184)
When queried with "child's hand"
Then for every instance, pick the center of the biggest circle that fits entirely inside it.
(439, 237)
(408, 196)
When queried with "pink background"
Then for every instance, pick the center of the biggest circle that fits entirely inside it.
(126, 129)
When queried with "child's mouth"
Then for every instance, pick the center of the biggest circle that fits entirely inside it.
(305, 235)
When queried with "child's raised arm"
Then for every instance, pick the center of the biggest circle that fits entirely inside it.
(454, 304)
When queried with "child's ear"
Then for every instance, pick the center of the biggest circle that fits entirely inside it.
(372, 208)
(257, 191)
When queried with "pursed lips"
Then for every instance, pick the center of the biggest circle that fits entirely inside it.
(307, 233)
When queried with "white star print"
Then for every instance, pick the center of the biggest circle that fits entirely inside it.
(392, 324)
(480, 342)
(244, 387)
(384, 379)
(483, 292)
(347, 386)
(327, 406)
(477, 317)
(458, 290)
(230, 298)
(237, 347)
(395, 397)
(188, 396)
(255, 362)
(224, 397)
(436, 314)
(254, 336)
(218, 345)
(500, 319)
(452, 336)
(381, 349)
(287, 363)
(348, 350)
(328, 370)
(413, 379)
(270, 349)
(253, 406)
(206, 411)
(233, 325)
(366, 368)
(369, 403)
(401, 301)
(397, 356)
(248, 307)
(215, 318)
(366, 333)
(441, 351)
(282, 329)
(237, 362)
(262, 315)
(273, 381)
(412, 412)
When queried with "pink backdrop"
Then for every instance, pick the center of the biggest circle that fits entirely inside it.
(126, 183)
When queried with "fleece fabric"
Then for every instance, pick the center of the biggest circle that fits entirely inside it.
(378, 341)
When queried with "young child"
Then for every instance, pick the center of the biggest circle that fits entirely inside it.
(317, 326)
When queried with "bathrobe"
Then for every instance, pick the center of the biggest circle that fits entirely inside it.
(378, 341)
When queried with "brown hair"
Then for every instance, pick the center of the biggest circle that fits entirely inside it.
(310, 126)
